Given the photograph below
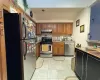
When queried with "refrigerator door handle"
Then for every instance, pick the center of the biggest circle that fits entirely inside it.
(25, 30)
(25, 51)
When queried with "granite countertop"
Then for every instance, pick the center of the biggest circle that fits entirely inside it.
(94, 52)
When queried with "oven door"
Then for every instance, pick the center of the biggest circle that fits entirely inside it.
(46, 48)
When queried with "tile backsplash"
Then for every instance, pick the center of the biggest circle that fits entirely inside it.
(55, 38)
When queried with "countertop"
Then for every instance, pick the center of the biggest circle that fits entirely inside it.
(93, 52)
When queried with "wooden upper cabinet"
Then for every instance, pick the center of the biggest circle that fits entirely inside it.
(57, 28)
(69, 28)
(60, 29)
(54, 29)
(38, 29)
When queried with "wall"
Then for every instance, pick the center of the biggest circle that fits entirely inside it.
(84, 17)
(59, 3)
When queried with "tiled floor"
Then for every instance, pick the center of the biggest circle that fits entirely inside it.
(54, 70)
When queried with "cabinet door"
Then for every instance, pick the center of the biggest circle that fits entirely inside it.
(55, 29)
(37, 50)
(65, 29)
(93, 68)
(38, 29)
(55, 50)
(60, 29)
(61, 51)
(78, 63)
(84, 66)
(44, 26)
(95, 22)
(69, 28)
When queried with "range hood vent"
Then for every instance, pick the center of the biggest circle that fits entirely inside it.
(46, 31)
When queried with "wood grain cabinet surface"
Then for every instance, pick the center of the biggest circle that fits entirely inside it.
(37, 50)
(57, 28)
(38, 29)
(58, 48)
(3, 70)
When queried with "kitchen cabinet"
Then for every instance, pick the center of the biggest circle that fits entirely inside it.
(37, 50)
(87, 67)
(68, 29)
(54, 29)
(58, 48)
(93, 68)
(38, 29)
(57, 28)
(95, 22)
(61, 29)
(79, 63)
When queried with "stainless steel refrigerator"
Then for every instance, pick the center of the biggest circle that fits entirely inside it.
(20, 47)
(28, 49)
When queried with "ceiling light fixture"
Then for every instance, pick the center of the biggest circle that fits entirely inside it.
(43, 10)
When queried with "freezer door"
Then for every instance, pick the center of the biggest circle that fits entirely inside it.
(28, 30)
(29, 59)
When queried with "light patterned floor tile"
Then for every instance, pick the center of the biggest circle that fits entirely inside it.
(54, 70)
(52, 74)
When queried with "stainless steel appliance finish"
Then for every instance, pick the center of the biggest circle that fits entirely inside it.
(48, 42)
(28, 50)
(46, 31)
(47, 52)
(69, 48)
(29, 58)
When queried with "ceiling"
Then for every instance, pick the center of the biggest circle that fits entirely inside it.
(59, 3)
(57, 10)
(55, 14)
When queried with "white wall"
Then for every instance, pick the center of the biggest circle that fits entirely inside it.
(59, 3)
(84, 17)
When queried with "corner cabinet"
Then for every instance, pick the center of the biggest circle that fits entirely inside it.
(95, 22)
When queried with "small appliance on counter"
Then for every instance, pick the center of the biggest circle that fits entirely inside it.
(46, 47)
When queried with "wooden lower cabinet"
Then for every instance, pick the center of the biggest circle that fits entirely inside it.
(37, 50)
(58, 48)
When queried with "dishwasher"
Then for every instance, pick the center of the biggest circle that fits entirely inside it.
(69, 48)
